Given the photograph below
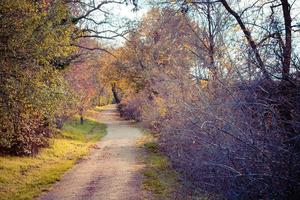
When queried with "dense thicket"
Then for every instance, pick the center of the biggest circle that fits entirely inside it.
(41, 75)
(33, 90)
(220, 90)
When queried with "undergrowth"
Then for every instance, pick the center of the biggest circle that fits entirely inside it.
(27, 177)
(159, 178)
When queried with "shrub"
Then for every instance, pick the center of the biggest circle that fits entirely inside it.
(33, 91)
(230, 139)
(130, 108)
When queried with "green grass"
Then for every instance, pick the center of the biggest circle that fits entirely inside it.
(89, 131)
(27, 177)
(159, 177)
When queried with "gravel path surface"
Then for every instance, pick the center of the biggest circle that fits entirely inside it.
(110, 172)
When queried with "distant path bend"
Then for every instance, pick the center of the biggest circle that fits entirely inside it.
(110, 172)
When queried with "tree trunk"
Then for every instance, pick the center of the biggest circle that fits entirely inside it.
(287, 50)
(286, 87)
(99, 100)
(81, 119)
(114, 91)
(249, 38)
(211, 49)
(81, 115)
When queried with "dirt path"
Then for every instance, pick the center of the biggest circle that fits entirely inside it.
(111, 171)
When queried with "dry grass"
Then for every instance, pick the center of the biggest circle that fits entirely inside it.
(27, 177)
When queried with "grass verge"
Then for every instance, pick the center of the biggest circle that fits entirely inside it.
(26, 177)
(159, 177)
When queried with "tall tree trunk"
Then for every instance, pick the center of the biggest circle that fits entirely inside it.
(114, 91)
(287, 50)
(286, 87)
(81, 119)
(81, 115)
(286, 91)
(249, 38)
(211, 50)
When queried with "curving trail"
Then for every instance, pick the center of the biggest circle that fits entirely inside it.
(110, 172)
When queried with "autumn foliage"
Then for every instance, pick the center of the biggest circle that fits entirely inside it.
(229, 129)
(217, 82)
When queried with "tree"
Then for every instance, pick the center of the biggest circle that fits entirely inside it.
(235, 140)
(82, 76)
(32, 89)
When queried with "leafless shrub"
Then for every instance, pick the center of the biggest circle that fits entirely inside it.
(234, 143)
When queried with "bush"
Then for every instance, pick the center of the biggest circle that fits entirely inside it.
(29, 137)
(231, 139)
(33, 91)
(130, 108)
